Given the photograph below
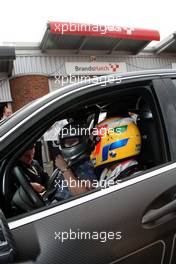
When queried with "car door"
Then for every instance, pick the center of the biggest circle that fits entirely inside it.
(131, 222)
(121, 224)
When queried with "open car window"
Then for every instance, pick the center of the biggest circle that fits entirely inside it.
(133, 102)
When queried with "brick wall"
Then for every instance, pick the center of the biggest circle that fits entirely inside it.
(27, 88)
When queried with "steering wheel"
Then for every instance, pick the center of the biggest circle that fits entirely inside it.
(52, 179)
(52, 186)
(25, 196)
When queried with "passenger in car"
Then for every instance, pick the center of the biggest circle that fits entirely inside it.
(117, 150)
(75, 170)
(37, 177)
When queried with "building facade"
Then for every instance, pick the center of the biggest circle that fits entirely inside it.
(32, 72)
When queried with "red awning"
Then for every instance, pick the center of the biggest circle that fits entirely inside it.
(79, 37)
(67, 28)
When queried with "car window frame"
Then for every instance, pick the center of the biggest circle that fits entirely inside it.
(37, 134)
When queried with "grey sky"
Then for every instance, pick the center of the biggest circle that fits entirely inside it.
(25, 21)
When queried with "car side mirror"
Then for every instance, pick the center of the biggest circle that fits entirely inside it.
(7, 243)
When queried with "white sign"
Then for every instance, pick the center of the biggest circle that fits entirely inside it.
(173, 65)
(94, 68)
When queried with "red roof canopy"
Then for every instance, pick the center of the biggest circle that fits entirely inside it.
(79, 37)
(103, 30)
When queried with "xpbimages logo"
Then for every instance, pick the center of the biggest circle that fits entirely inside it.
(80, 131)
(64, 28)
(102, 236)
(85, 79)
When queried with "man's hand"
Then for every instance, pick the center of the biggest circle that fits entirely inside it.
(60, 163)
(69, 177)
(38, 187)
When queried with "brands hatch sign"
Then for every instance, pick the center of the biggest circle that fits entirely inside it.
(94, 68)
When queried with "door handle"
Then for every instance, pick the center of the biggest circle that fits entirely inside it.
(154, 214)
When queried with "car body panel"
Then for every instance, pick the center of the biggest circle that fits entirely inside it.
(120, 208)
(115, 210)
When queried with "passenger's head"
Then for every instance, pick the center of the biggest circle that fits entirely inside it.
(119, 139)
(6, 112)
(74, 142)
(28, 155)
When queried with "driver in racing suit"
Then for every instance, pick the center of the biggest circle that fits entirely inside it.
(117, 149)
